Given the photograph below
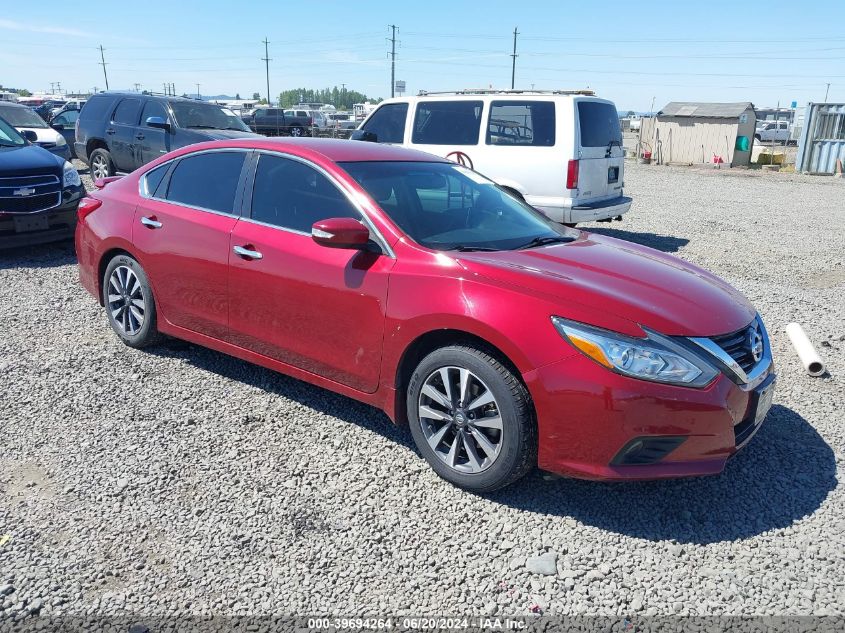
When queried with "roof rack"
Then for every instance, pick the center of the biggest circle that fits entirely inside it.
(485, 91)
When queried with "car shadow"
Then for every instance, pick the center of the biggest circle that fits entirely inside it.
(317, 398)
(40, 256)
(665, 243)
(782, 476)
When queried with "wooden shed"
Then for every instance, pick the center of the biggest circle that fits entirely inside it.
(688, 133)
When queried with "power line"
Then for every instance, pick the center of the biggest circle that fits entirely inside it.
(266, 59)
(392, 60)
(514, 56)
(103, 63)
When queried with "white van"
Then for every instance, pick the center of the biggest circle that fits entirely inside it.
(561, 151)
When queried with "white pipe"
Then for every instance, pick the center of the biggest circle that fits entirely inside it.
(806, 352)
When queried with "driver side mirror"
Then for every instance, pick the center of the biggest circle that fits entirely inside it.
(157, 122)
(29, 135)
(341, 233)
(364, 135)
(57, 126)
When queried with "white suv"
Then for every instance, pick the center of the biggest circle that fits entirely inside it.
(559, 151)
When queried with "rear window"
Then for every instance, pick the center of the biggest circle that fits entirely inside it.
(96, 107)
(521, 123)
(447, 123)
(599, 124)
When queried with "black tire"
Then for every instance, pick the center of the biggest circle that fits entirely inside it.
(757, 136)
(146, 333)
(297, 131)
(518, 436)
(100, 161)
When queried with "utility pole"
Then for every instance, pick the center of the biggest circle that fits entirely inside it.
(826, 91)
(392, 60)
(198, 92)
(266, 59)
(514, 56)
(137, 87)
(103, 64)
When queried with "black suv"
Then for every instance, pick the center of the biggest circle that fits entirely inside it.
(39, 191)
(120, 131)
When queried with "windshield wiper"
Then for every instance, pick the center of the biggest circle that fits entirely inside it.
(204, 127)
(542, 241)
(466, 248)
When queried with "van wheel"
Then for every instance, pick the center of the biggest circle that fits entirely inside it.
(471, 419)
(101, 164)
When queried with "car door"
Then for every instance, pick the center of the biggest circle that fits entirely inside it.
(152, 142)
(599, 151)
(65, 124)
(120, 133)
(181, 232)
(316, 308)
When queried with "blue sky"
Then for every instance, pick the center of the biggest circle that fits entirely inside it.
(631, 52)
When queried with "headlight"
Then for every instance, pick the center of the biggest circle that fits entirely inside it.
(60, 140)
(656, 358)
(71, 176)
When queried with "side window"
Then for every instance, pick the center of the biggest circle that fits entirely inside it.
(292, 195)
(68, 119)
(127, 112)
(154, 108)
(153, 178)
(447, 123)
(97, 106)
(388, 123)
(209, 181)
(521, 123)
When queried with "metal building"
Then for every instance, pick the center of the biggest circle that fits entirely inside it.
(688, 133)
(822, 141)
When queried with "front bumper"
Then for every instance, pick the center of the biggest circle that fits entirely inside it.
(588, 417)
(60, 223)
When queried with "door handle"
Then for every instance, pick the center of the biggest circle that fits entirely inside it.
(110, 130)
(151, 222)
(247, 253)
(139, 136)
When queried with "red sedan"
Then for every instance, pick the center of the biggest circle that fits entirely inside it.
(503, 340)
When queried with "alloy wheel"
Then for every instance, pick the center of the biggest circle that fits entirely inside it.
(460, 419)
(126, 303)
(100, 167)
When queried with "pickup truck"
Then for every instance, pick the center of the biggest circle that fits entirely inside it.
(277, 122)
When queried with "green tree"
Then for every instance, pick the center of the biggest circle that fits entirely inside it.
(23, 92)
(256, 96)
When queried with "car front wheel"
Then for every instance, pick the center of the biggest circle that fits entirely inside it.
(471, 418)
(129, 302)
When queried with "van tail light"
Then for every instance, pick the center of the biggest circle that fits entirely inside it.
(86, 206)
(572, 175)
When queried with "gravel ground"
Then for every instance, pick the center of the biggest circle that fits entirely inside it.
(179, 480)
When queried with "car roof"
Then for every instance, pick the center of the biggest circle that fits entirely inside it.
(11, 104)
(335, 150)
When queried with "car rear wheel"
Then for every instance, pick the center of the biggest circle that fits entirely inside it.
(471, 419)
(102, 165)
(129, 302)
(297, 131)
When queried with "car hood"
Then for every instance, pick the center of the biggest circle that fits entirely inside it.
(219, 135)
(629, 281)
(28, 160)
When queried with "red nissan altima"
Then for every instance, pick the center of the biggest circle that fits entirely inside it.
(503, 340)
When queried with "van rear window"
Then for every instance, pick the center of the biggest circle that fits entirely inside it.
(599, 123)
(447, 123)
(521, 123)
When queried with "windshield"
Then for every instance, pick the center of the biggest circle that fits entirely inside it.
(9, 136)
(443, 206)
(21, 117)
(205, 115)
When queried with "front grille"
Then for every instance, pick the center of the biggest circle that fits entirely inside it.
(43, 192)
(738, 345)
